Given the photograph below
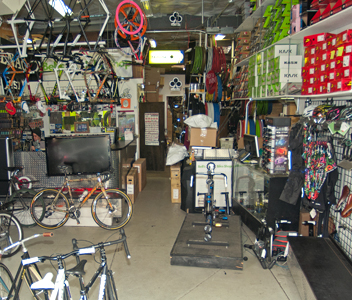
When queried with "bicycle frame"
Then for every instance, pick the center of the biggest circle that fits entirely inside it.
(23, 270)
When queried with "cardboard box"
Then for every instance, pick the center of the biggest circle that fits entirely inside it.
(132, 185)
(175, 193)
(141, 165)
(175, 174)
(151, 88)
(152, 96)
(137, 71)
(205, 137)
(124, 173)
(303, 217)
(127, 163)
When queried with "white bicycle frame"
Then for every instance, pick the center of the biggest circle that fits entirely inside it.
(60, 283)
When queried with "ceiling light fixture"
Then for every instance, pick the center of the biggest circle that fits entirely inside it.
(61, 7)
(219, 37)
(147, 8)
(152, 43)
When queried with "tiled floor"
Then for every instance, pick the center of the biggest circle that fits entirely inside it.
(148, 274)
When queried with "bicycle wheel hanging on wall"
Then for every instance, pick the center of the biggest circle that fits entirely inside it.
(131, 16)
(131, 22)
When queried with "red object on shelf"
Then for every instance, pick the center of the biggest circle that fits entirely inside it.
(344, 37)
(338, 61)
(347, 72)
(339, 74)
(331, 87)
(322, 88)
(343, 85)
(347, 61)
(332, 75)
(314, 39)
(327, 11)
(323, 77)
(338, 6)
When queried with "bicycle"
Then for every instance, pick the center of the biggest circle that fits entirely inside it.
(19, 197)
(61, 288)
(10, 230)
(27, 272)
(111, 209)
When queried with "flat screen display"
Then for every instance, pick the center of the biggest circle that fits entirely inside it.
(251, 145)
(82, 155)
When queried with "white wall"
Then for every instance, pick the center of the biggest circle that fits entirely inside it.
(166, 91)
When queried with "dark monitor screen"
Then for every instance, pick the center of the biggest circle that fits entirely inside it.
(251, 145)
(82, 155)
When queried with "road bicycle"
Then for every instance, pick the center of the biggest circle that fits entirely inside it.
(10, 230)
(29, 273)
(19, 197)
(111, 209)
(61, 288)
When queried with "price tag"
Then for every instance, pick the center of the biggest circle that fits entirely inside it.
(313, 213)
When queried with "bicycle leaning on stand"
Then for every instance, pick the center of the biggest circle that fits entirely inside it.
(111, 209)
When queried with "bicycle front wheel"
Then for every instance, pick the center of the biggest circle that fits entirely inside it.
(56, 209)
(19, 204)
(6, 281)
(112, 211)
(10, 232)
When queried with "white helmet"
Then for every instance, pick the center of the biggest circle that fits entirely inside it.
(308, 111)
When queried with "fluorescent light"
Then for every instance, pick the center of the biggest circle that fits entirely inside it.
(61, 7)
(219, 37)
(147, 8)
(152, 43)
(29, 41)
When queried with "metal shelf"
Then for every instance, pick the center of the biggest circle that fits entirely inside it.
(333, 24)
(249, 23)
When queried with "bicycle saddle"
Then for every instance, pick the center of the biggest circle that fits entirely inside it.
(11, 169)
(344, 194)
(79, 269)
(45, 283)
(348, 208)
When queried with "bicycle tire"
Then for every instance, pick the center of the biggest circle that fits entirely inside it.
(10, 232)
(112, 219)
(24, 182)
(6, 281)
(55, 215)
(111, 291)
(19, 205)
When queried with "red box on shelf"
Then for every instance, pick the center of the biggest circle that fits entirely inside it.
(332, 75)
(347, 48)
(347, 61)
(347, 72)
(331, 42)
(344, 37)
(322, 88)
(318, 47)
(327, 11)
(323, 67)
(343, 85)
(307, 61)
(305, 71)
(332, 65)
(338, 6)
(311, 70)
(307, 51)
(338, 61)
(339, 74)
(323, 77)
(304, 90)
(331, 87)
(325, 55)
(347, 3)
(313, 39)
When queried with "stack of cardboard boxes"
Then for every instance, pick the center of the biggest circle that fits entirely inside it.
(175, 174)
(134, 176)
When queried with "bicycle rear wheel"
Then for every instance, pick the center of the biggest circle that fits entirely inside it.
(56, 209)
(114, 212)
(10, 232)
(6, 281)
(19, 204)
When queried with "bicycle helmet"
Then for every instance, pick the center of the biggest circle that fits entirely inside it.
(334, 113)
(308, 111)
(346, 114)
(319, 113)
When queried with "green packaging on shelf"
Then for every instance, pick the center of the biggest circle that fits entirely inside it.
(259, 58)
(288, 61)
(263, 80)
(283, 34)
(269, 77)
(254, 92)
(267, 22)
(287, 10)
(277, 26)
(286, 23)
(252, 61)
(276, 37)
(268, 11)
(265, 67)
(260, 69)
(282, 2)
(276, 88)
(258, 90)
(263, 90)
(277, 15)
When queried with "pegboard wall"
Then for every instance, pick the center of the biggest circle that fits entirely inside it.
(340, 227)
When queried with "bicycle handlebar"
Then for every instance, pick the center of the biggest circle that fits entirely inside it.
(79, 251)
(21, 242)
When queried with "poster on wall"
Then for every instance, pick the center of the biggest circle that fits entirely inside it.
(126, 123)
(151, 121)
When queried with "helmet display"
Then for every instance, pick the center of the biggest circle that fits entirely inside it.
(346, 114)
(334, 113)
(320, 112)
(308, 111)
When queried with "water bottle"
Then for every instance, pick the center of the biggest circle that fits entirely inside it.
(85, 193)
